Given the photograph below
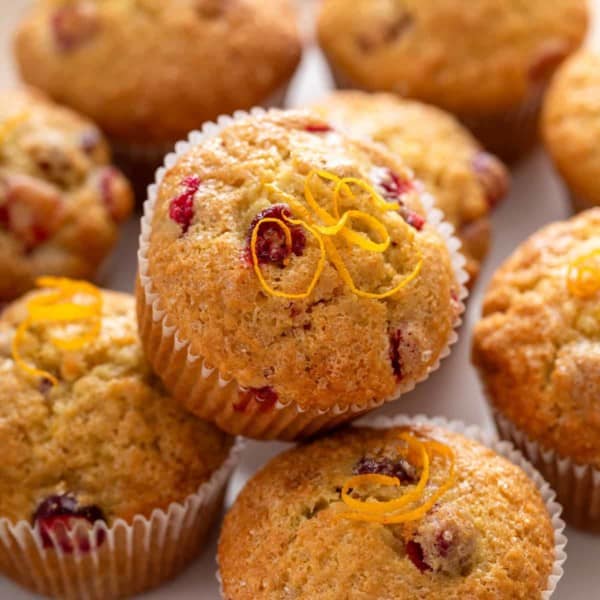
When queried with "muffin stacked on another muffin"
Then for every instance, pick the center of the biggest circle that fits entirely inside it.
(571, 127)
(291, 278)
(465, 181)
(488, 63)
(95, 452)
(61, 202)
(407, 512)
(149, 71)
(537, 348)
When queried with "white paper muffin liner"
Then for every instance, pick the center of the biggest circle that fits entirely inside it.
(132, 557)
(503, 448)
(213, 394)
(577, 486)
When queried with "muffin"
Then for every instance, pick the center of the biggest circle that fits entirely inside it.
(489, 64)
(537, 350)
(148, 72)
(61, 201)
(98, 462)
(465, 181)
(291, 277)
(327, 521)
(570, 127)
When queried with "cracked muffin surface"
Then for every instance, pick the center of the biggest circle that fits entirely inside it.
(150, 71)
(465, 181)
(537, 346)
(302, 334)
(489, 536)
(61, 201)
(105, 441)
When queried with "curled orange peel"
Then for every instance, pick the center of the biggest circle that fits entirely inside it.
(404, 508)
(583, 277)
(59, 306)
(332, 225)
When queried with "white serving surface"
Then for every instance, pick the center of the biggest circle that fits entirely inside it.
(537, 198)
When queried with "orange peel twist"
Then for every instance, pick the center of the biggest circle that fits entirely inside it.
(583, 278)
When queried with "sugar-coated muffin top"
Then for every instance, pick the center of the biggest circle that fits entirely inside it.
(308, 525)
(483, 58)
(106, 435)
(60, 199)
(537, 346)
(571, 124)
(348, 310)
(149, 71)
(465, 181)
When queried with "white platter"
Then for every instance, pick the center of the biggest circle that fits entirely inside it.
(536, 199)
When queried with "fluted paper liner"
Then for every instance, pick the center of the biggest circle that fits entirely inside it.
(577, 486)
(212, 395)
(124, 559)
(508, 451)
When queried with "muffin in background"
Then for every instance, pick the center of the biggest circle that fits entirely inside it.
(98, 462)
(571, 127)
(148, 72)
(61, 201)
(349, 516)
(465, 181)
(536, 348)
(489, 65)
(291, 277)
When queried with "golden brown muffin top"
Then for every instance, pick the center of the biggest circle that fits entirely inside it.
(483, 58)
(149, 71)
(489, 536)
(537, 346)
(571, 124)
(106, 434)
(465, 181)
(60, 199)
(315, 346)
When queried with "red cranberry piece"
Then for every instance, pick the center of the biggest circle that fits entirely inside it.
(114, 190)
(264, 398)
(394, 186)
(318, 128)
(394, 353)
(271, 243)
(74, 25)
(414, 219)
(58, 516)
(181, 209)
(492, 175)
(4, 216)
(399, 468)
(414, 551)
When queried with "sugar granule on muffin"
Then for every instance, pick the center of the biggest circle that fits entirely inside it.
(290, 276)
(61, 201)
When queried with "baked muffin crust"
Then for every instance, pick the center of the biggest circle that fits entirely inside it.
(333, 346)
(537, 345)
(285, 536)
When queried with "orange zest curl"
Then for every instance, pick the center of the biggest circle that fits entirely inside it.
(59, 306)
(410, 506)
(336, 224)
(583, 278)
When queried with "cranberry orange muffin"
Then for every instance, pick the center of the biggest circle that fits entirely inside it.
(291, 277)
(488, 64)
(571, 125)
(537, 349)
(95, 451)
(465, 181)
(411, 512)
(149, 71)
(61, 201)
